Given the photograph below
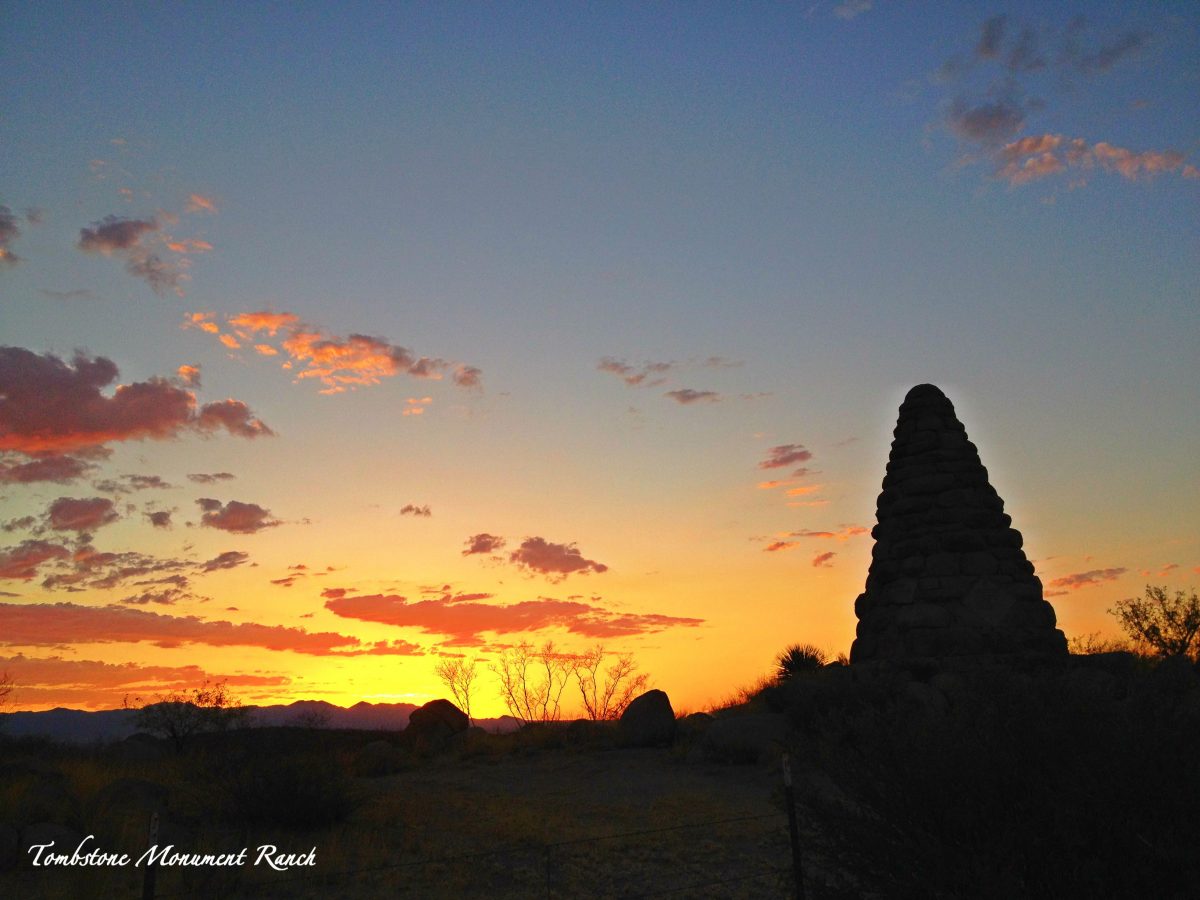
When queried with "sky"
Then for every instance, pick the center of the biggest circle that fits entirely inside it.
(342, 339)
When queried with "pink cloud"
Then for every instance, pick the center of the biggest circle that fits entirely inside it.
(785, 455)
(235, 516)
(55, 468)
(1036, 157)
(72, 514)
(50, 406)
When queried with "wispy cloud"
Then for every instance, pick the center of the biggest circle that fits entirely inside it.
(687, 396)
(10, 230)
(338, 363)
(52, 467)
(465, 621)
(785, 455)
(53, 624)
(1091, 578)
(824, 560)
(411, 509)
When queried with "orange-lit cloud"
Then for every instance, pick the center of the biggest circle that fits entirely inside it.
(52, 624)
(264, 320)
(189, 245)
(465, 622)
(555, 561)
(230, 341)
(189, 375)
(824, 560)
(235, 516)
(53, 406)
(58, 672)
(1090, 578)
(803, 490)
(410, 509)
(199, 203)
(1036, 157)
(266, 350)
(844, 533)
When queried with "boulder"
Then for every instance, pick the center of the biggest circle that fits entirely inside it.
(433, 725)
(648, 721)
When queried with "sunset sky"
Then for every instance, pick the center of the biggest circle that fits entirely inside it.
(339, 338)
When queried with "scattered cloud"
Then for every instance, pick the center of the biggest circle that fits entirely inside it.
(235, 516)
(53, 467)
(210, 477)
(338, 363)
(199, 203)
(410, 509)
(776, 546)
(160, 518)
(10, 230)
(72, 514)
(844, 533)
(465, 621)
(785, 455)
(649, 374)
(483, 543)
(230, 559)
(554, 561)
(1090, 578)
(22, 562)
(686, 396)
(128, 483)
(824, 560)
(1035, 157)
(51, 406)
(989, 123)
(851, 9)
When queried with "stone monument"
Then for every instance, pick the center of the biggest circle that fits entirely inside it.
(948, 578)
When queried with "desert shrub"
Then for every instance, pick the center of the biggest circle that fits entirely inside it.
(798, 659)
(293, 792)
(1026, 787)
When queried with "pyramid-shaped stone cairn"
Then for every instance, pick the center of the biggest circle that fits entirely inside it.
(948, 578)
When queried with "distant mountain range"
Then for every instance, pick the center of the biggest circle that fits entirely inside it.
(80, 727)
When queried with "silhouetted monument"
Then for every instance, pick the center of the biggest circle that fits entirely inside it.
(948, 577)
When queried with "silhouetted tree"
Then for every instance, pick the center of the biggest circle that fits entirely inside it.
(532, 681)
(6, 688)
(179, 715)
(796, 659)
(1167, 625)
(459, 677)
(606, 694)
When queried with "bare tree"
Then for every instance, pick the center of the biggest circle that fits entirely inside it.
(180, 714)
(532, 681)
(459, 677)
(606, 693)
(6, 689)
(1167, 625)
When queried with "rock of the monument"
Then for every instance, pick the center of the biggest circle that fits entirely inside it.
(435, 723)
(948, 576)
(648, 721)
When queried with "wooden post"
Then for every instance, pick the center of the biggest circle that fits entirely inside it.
(789, 798)
(151, 870)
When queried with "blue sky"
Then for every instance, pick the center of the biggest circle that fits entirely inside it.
(801, 211)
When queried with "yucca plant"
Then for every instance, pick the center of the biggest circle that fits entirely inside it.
(798, 658)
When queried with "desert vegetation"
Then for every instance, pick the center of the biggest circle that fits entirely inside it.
(1077, 779)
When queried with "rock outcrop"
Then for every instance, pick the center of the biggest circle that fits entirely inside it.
(948, 578)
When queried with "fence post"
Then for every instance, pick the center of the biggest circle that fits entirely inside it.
(789, 797)
(148, 876)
